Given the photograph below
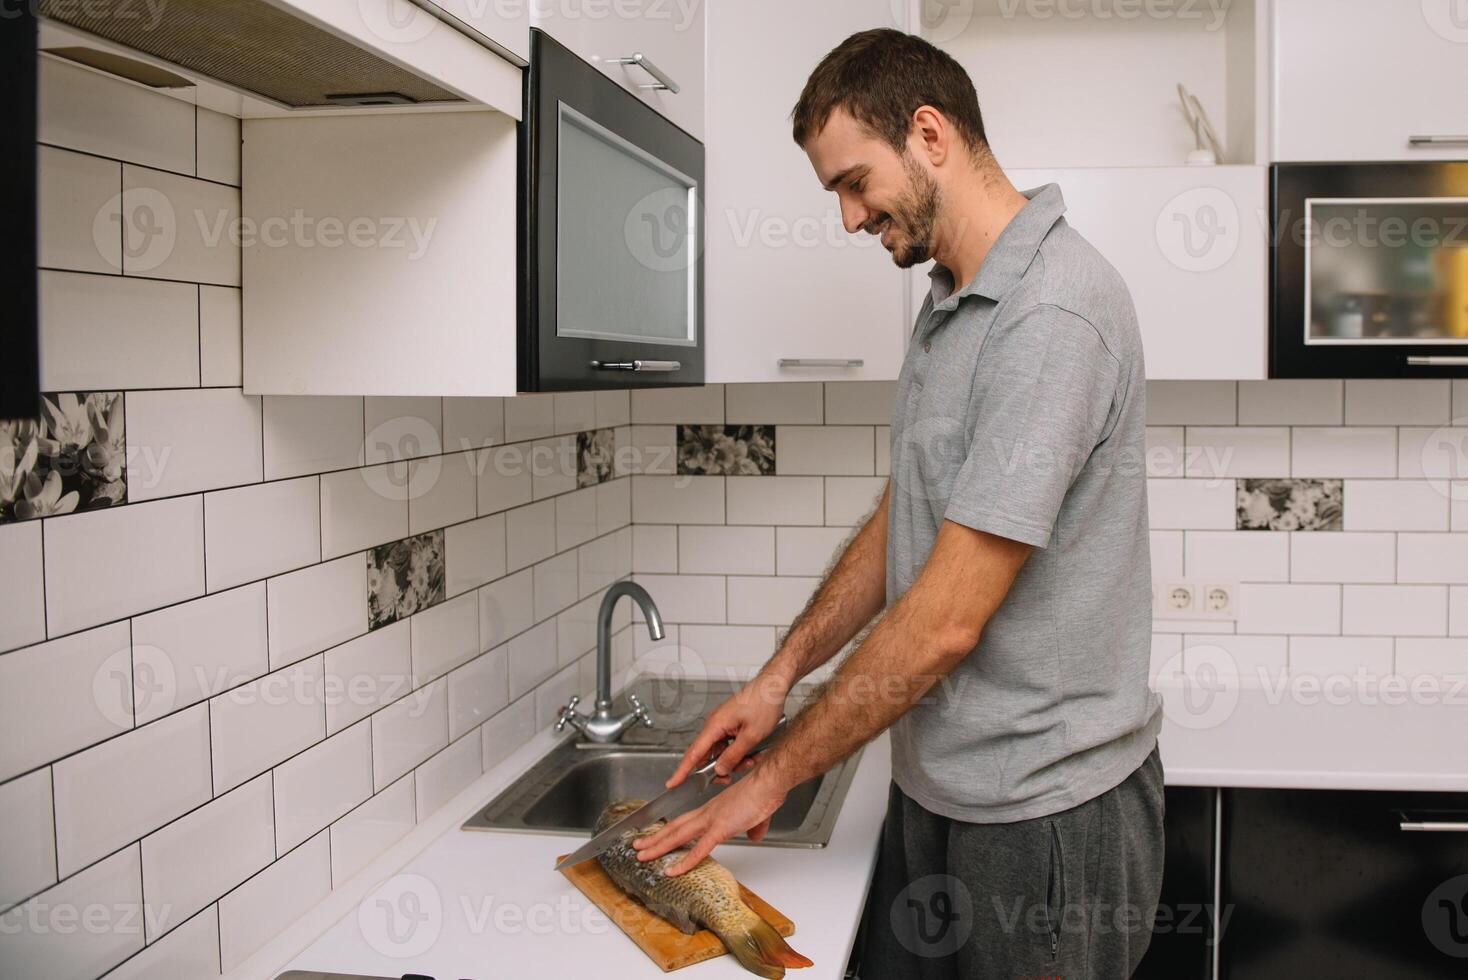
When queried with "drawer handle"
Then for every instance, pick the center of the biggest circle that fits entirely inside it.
(1435, 360)
(664, 81)
(825, 362)
(637, 365)
(1438, 140)
(1410, 824)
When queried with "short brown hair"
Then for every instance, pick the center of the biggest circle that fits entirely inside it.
(882, 77)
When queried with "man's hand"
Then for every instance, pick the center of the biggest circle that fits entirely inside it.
(747, 717)
(745, 806)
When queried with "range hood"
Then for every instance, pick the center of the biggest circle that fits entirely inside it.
(291, 55)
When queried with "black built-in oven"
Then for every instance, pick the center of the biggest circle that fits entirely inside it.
(1370, 270)
(611, 234)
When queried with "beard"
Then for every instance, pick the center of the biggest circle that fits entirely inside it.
(912, 217)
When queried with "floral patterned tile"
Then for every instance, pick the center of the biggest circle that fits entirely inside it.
(1290, 505)
(404, 577)
(71, 458)
(595, 452)
(726, 450)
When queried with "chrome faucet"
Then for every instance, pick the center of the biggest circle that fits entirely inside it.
(601, 725)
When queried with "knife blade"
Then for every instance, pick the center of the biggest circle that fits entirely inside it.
(672, 803)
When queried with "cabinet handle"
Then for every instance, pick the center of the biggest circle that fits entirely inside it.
(825, 362)
(1430, 360)
(1437, 140)
(1419, 822)
(637, 365)
(664, 81)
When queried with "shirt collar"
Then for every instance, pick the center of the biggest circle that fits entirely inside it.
(1011, 254)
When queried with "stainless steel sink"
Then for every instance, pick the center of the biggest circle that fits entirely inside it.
(566, 791)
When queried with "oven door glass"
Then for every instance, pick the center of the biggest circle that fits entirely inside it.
(1386, 271)
(626, 264)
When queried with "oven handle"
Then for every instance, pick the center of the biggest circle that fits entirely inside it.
(1437, 140)
(664, 81)
(1436, 360)
(637, 365)
(825, 362)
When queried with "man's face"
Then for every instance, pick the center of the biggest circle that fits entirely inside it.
(881, 191)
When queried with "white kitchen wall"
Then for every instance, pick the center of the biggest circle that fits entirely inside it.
(246, 644)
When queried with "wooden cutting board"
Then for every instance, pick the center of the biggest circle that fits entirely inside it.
(664, 943)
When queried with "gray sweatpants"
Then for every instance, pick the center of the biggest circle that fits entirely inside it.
(1070, 896)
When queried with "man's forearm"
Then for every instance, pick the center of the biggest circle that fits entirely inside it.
(854, 590)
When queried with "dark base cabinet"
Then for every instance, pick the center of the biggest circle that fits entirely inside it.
(1182, 937)
(1328, 884)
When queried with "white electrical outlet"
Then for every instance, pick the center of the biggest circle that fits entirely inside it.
(1215, 601)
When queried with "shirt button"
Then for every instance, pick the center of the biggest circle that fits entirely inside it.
(927, 347)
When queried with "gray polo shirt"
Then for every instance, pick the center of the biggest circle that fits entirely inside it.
(1020, 411)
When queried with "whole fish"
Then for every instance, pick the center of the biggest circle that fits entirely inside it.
(705, 896)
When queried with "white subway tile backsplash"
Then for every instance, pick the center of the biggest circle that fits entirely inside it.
(726, 550)
(22, 584)
(613, 408)
(261, 724)
(370, 829)
(768, 600)
(779, 402)
(654, 548)
(1458, 611)
(220, 350)
(1335, 453)
(554, 693)
(97, 114)
(649, 450)
(613, 506)
(1432, 658)
(1439, 453)
(1401, 610)
(575, 411)
(506, 608)
(576, 628)
(1344, 557)
(61, 696)
(851, 499)
(1459, 509)
(556, 584)
(1395, 505)
(1192, 403)
(367, 673)
(1374, 401)
(439, 779)
(472, 423)
(1296, 402)
(114, 884)
(319, 785)
(552, 466)
(362, 508)
(576, 518)
(444, 637)
(818, 450)
(678, 405)
(253, 913)
(191, 651)
(202, 216)
(529, 417)
(120, 790)
(262, 530)
(197, 858)
(533, 656)
(1253, 658)
(311, 434)
(408, 731)
(704, 649)
(530, 534)
(507, 731)
(79, 207)
(105, 564)
(1271, 608)
(478, 689)
(108, 332)
(685, 598)
(28, 854)
(603, 561)
(1237, 556)
(1340, 656)
(188, 440)
(1202, 505)
(1167, 555)
(1166, 450)
(474, 553)
(191, 950)
(681, 499)
(316, 608)
(770, 500)
(442, 490)
(504, 478)
(399, 427)
(884, 450)
(1432, 558)
(860, 402)
(1237, 452)
(218, 138)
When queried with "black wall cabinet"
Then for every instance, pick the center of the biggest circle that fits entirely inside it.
(19, 359)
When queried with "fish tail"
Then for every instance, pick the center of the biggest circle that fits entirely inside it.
(759, 948)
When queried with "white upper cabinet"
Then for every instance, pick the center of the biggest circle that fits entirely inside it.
(1360, 79)
(785, 281)
(667, 34)
(504, 26)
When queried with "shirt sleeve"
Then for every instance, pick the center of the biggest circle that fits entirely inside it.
(1044, 390)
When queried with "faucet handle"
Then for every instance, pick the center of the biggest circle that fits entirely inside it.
(568, 711)
(639, 710)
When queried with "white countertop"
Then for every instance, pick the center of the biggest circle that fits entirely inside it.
(503, 911)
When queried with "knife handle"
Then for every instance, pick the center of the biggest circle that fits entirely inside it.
(765, 743)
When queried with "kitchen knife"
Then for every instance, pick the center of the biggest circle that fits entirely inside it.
(672, 803)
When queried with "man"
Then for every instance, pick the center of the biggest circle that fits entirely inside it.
(1023, 835)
